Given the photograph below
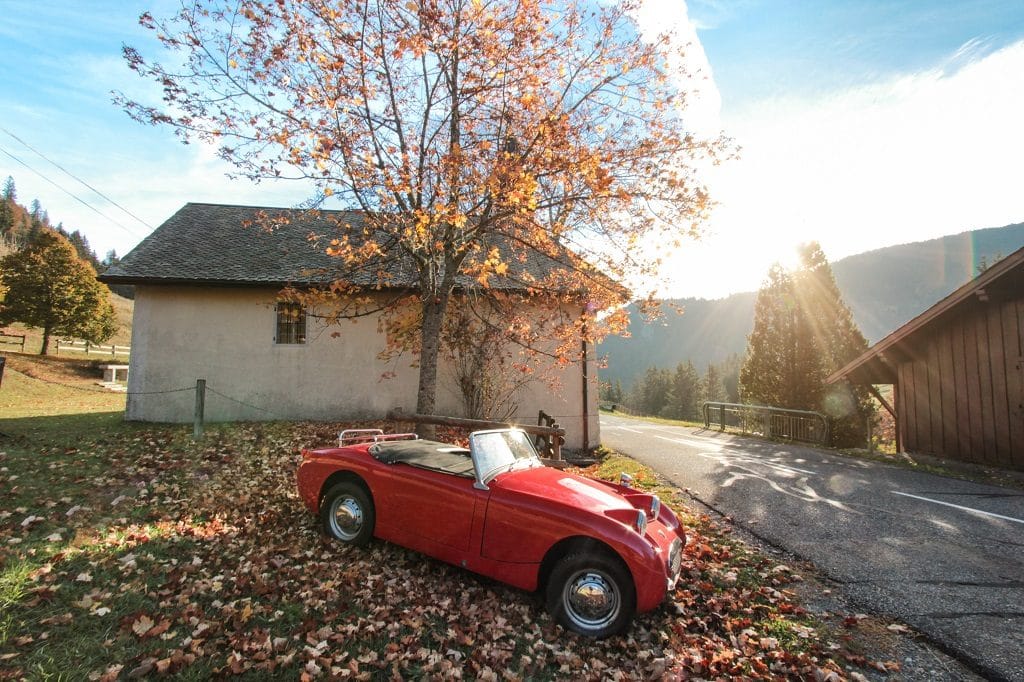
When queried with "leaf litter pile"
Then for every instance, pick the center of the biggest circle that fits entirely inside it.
(130, 551)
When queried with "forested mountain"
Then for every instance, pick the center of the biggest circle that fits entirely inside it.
(884, 289)
(20, 225)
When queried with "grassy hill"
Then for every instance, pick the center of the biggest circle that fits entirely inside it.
(884, 289)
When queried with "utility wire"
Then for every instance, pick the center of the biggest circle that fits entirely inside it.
(72, 175)
(76, 198)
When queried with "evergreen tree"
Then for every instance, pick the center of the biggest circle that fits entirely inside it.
(714, 389)
(650, 394)
(802, 333)
(762, 377)
(730, 371)
(84, 250)
(6, 218)
(10, 194)
(35, 213)
(611, 392)
(684, 392)
(839, 340)
(49, 286)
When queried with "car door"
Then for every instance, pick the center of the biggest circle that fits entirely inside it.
(432, 508)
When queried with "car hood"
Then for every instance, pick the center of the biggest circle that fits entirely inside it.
(562, 487)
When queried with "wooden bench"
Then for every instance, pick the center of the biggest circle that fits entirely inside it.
(110, 372)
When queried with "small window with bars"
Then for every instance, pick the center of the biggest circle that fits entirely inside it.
(291, 323)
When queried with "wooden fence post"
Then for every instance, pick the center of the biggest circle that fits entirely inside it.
(197, 424)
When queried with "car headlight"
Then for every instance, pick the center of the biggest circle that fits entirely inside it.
(675, 562)
(655, 506)
(641, 522)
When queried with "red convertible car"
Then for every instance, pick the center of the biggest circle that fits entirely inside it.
(599, 551)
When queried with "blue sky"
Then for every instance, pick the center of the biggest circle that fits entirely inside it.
(861, 124)
(803, 48)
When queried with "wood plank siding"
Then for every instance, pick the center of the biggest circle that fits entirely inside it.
(957, 371)
(961, 393)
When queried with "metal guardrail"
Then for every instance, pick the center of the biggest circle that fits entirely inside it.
(769, 422)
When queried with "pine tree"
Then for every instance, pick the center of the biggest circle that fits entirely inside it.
(6, 218)
(35, 213)
(714, 389)
(684, 392)
(650, 394)
(730, 371)
(82, 247)
(49, 286)
(802, 333)
(839, 340)
(763, 378)
(10, 193)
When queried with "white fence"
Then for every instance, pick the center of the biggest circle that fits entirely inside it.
(92, 348)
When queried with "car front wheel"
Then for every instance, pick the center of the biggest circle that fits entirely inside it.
(347, 513)
(591, 594)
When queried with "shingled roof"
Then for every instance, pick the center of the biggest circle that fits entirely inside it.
(225, 245)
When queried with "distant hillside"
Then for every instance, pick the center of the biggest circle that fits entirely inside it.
(884, 289)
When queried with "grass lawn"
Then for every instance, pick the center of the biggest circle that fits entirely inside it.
(35, 386)
(129, 550)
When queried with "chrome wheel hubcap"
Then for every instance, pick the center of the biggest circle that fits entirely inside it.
(591, 600)
(347, 517)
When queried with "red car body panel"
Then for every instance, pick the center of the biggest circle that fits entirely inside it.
(505, 531)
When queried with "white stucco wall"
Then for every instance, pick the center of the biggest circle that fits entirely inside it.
(226, 336)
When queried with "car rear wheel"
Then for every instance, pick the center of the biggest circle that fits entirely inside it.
(347, 513)
(591, 594)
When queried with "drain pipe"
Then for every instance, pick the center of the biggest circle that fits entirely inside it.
(586, 394)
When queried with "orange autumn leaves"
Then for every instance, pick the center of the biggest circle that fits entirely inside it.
(479, 137)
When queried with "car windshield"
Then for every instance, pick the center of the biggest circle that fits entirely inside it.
(498, 451)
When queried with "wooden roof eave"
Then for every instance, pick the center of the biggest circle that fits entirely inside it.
(871, 363)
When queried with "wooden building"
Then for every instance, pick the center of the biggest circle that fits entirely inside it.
(957, 372)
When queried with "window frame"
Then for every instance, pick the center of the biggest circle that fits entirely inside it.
(290, 332)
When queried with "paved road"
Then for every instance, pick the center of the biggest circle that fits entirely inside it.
(943, 555)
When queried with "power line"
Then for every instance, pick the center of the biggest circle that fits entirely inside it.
(72, 175)
(76, 198)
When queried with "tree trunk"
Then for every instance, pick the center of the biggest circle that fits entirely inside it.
(430, 344)
(46, 341)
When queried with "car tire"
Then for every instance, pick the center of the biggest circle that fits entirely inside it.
(591, 594)
(347, 513)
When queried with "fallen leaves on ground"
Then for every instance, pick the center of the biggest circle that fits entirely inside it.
(138, 553)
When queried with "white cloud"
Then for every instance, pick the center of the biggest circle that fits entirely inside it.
(911, 158)
(703, 102)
